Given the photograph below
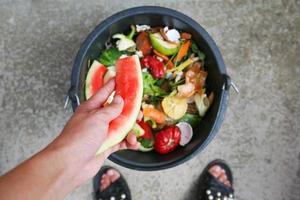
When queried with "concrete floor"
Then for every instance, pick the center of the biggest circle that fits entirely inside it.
(260, 42)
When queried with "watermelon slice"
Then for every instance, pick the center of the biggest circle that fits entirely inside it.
(94, 79)
(129, 85)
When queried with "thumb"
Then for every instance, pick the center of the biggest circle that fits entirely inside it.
(113, 110)
(100, 97)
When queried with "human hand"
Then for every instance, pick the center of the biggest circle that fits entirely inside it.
(71, 158)
(85, 132)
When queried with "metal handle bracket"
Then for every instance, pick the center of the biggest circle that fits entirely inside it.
(229, 83)
(71, 96)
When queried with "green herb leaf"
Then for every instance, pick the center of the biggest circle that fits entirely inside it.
(110, 56)
(159, 82)
(174, 84)
(193, 120)
(196, 50)
(155, 100)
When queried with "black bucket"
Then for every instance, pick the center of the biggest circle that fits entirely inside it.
(217, 80)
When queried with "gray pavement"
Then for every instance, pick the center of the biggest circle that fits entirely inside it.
(260, 43)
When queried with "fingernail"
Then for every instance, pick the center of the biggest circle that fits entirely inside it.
(118, 99)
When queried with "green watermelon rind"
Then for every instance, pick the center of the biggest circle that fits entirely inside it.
(88, 81)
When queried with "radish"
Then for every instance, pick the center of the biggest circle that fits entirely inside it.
(186, 132)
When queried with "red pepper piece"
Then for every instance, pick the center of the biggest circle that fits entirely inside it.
(148, 132)
(155, 66)
(167, 139)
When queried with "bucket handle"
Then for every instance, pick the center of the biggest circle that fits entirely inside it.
(71, 96)
(229, 83)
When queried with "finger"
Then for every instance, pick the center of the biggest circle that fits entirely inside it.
(126, 145)
(99, 159)
(135, 146)
(113, 110)
(131, 138)
(100, 97)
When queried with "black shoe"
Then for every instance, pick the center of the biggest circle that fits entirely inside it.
(210, 188)
(118, 190)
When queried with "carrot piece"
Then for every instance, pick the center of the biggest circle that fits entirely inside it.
(154, 114)
(185, 36)
(169, 63)
(183, 51)
(164, 57)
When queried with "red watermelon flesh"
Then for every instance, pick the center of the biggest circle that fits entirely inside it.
(94, 79)
(129, 85)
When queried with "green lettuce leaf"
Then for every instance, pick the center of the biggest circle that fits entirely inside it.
(150, 87)
(110, 56)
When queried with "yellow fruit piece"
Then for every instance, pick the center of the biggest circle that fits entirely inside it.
(174, 107)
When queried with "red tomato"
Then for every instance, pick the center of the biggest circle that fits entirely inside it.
(147, 139)
(148, 132)
(156, 67)
(167, 139)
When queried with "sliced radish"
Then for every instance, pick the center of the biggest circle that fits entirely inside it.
(186, 132)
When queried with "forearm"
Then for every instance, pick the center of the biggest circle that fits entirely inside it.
(47, 175)
(70, 159)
